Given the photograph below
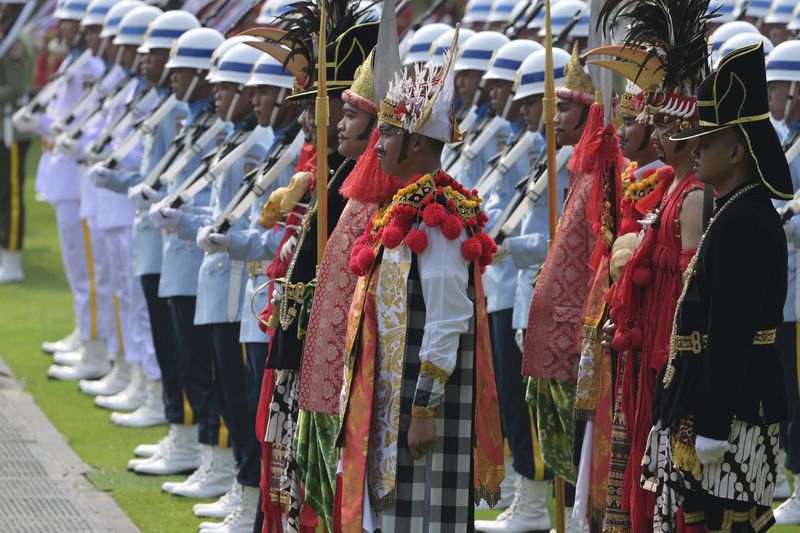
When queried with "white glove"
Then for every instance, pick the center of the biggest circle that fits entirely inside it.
(288, 248)
(67, 145)
(211, 242)
(57, 127)
(277, 294)
(27, 122)
(164, 217)
(710, 450)
(502, 251)
(789, 229)
(100, 175)
(142, 196)
(519, 338)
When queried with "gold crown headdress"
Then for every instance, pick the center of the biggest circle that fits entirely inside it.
(577, 85)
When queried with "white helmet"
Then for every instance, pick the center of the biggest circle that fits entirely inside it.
(133, 26)
(194, 49)
(725, 32)
(725, 9)
(794, 24)
(164, 30)
(270, 71)
(538, 21)
(783, 64)
(271, 10)
(562, 14)
(530, 76)
(509, 58)
(422, 40)
(781, 12)
(477, 51)
(742, 40)
(71, 9)
(441, 45)
(502, 9)
(222, 49)
(96, 13)
(237, 64)
(477, 11)
(372, 11)
(115, 14)
(755, 8)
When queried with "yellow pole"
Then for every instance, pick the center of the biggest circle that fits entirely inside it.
(549, 110)
(322, 116)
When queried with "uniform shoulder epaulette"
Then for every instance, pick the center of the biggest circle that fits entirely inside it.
(435, 200)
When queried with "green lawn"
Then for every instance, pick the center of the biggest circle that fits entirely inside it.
(41, 309)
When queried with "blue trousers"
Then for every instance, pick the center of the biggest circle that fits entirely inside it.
(194, 363)
(231, 380)
(786, 339)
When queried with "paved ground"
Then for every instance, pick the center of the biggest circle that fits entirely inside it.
(43, 486)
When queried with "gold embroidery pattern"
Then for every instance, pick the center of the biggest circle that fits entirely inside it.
(423, 412)
(434, 372)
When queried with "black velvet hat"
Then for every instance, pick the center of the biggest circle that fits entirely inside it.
(735, 95)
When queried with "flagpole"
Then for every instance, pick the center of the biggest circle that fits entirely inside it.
(549, 111)
(322, 116)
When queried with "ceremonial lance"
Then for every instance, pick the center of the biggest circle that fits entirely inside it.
(322, 139)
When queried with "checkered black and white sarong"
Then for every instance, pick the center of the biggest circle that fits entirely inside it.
(435, 494)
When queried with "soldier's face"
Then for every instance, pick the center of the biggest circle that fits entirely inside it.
(570, 121)
(264, 99)
(92, 36)
(499, 94)
(68, 31)
(531, 110)
(467, 82)
(179, 81)
(128, 55)
(778, 92)
(153, 65)
(224, 100)
(777, 33)
(354, 129)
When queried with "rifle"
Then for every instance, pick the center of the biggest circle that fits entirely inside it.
(529, 190)
(145, 127)
(114, 78)
(561, 40)
(111, 101)
(39, 102)
(504, 161)
(260, 179)
(417, 24)
(214, 163)
(472, 149)
(189, 152)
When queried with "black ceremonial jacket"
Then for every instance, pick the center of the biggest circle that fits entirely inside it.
(738, 289)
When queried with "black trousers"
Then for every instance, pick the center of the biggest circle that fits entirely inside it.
(231, 378)
(786, 339)
(194, 366)
(12, 202)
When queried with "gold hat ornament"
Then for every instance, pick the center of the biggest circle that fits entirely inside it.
(577, 85)
(362, 93)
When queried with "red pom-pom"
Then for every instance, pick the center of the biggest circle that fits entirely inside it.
(636, 338)
(392, 236)
(614, 314)
(362, 240)
(487, 244)
(434, 215)
(641, 276)
(452, 227)
(361, 260)
(486, 259)
(471, 249)
(417, 241)
(621, 342)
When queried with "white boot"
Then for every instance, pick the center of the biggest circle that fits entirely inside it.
(527, 512)
(571, 526)
(131, 396)
(214, 478)
(150, 413)
(180, 453)
(242, 519)
(93, 365)
(159, 449)
(146, 450)
(112, 383)
(788, 513)
(70, 343)
(69, 358)
(11, 267)
(782, 488)
(222, 507)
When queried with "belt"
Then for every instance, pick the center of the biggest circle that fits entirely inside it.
(697, 342)
(256, 268)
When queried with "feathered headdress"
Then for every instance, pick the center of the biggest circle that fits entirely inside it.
(664, 51)
(421, 100)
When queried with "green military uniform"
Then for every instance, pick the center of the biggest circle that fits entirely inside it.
(16, 76)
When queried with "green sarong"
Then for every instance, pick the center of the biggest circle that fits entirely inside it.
(554, 402)
(315, 442)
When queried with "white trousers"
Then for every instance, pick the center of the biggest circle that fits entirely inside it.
(134, 320)
(83, 257)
